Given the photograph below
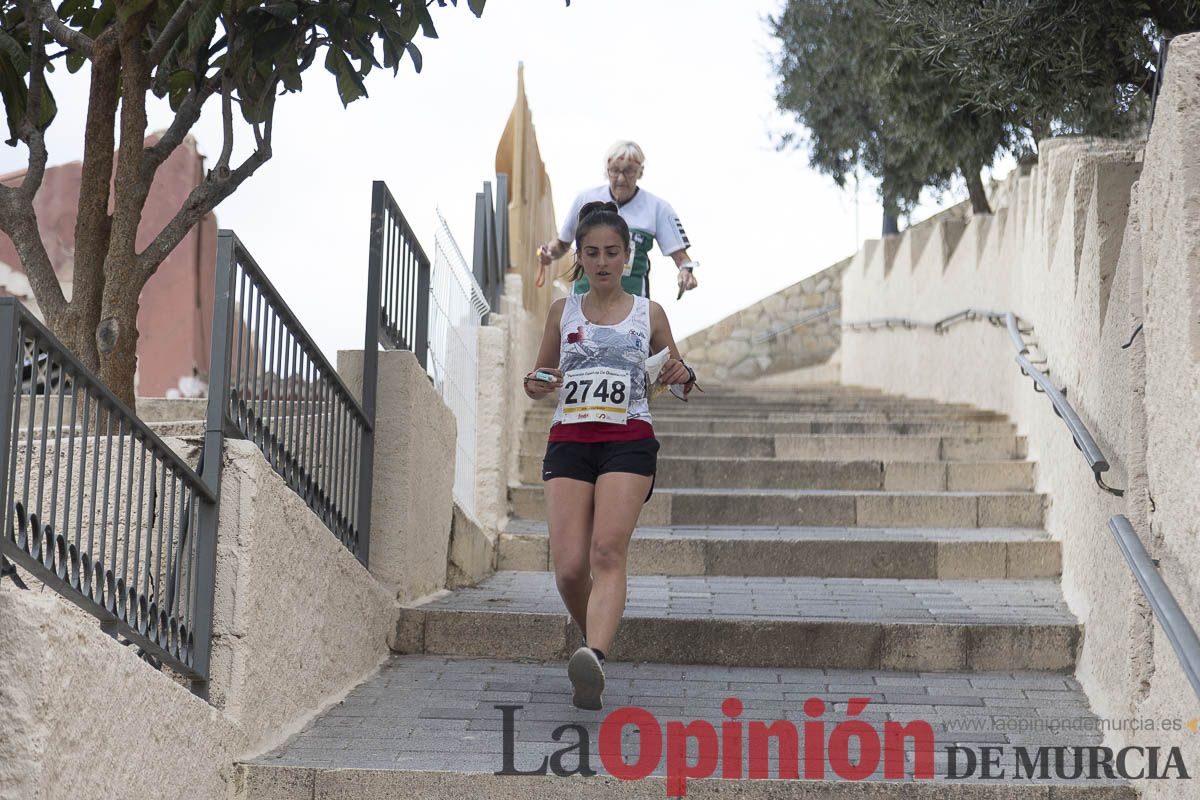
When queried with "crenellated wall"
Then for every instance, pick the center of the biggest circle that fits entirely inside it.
(1099, 237)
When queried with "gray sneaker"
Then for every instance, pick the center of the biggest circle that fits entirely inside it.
(587, 678)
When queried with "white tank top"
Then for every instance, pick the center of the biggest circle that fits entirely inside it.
(624, 346)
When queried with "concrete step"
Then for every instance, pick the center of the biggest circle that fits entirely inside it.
(769, 427)
(541, 416)
(819, 507)
(824, 447)
(925, 553)
(660, 407)
(768, 473)
(429, 727)
(822, 623)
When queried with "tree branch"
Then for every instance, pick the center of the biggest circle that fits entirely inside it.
(131, 182)
(175, 26)
(19, 221)
(202, 200)
(61, 32)
(185, 118)
(31, 130)
(216, 186)
(226, 125)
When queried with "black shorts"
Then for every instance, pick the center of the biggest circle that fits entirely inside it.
(586, 461)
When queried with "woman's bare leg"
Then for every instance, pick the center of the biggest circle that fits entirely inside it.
(569, 516)
(618, 502)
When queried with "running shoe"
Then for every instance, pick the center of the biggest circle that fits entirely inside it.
(587, 678)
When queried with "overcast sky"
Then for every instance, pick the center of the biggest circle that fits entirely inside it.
(690, 80)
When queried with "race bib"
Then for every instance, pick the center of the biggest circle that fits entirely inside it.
(595, 394)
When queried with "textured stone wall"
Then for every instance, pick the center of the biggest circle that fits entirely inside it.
(297, 623)
(1098, 238)
(766, 339)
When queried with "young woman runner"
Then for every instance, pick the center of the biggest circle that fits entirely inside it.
(601, 457)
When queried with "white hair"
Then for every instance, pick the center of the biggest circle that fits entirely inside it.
(627, 150)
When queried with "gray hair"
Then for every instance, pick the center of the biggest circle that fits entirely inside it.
(625, 149)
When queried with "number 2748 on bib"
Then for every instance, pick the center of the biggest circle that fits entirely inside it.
(597, 394)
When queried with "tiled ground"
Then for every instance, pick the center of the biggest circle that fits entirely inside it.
(430, 713)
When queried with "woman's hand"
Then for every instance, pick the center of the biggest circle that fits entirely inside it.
(536, 389)
(674, 372)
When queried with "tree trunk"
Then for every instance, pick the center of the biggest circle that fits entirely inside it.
(117, 337)
(979, 201)
(93, 224)
(891, 216)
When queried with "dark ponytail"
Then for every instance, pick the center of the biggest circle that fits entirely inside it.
(596, 214)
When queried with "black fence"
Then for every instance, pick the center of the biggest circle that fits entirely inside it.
(397, 281)
(97, 507)
(270, 384)
(490, 255)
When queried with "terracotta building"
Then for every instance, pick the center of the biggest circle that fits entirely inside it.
(175, 318)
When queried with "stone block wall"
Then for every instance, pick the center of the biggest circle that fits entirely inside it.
(1096, 239)
(792, 329)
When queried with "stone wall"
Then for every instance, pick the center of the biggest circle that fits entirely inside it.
(1099, 237)
(765, 338)
(298, 622)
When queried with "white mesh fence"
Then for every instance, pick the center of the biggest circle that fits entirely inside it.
(456, 310)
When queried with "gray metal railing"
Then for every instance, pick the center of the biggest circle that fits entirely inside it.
(271, 384)
(1179, 631)
(489, 259)
(807, 319)
(397, 281)
(1080, 434)
(97, 507)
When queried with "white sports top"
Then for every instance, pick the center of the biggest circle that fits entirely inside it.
(624, 346)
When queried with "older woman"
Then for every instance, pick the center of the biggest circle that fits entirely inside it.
(649, 218)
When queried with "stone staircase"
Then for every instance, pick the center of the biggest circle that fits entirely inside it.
(803, 548)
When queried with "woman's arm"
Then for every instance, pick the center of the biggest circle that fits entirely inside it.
(660, 336)
(547, 358)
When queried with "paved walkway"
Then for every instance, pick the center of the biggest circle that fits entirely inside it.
(429, 713)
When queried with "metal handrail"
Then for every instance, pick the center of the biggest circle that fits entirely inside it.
(134, 552)
(272, 385)
(1162, 602)
(280, 307)
(1080, 434)
(397, 281)
(805, 320)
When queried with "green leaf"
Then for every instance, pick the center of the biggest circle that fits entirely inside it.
(16, 54)
(284, 11)
(14, 93)
(49, 108)
(75, 62)
(269, 43)
(476, 6)
(349, 84)
(202, 25)
(426, 21)
(415, 54)
(179, 85)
